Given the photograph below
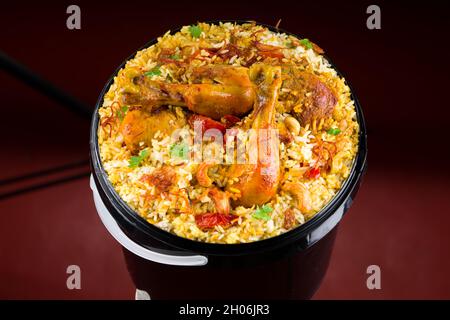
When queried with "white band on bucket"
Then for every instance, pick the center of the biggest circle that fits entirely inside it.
(118, 234)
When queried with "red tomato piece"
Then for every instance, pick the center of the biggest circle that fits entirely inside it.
(230, 120)
(210, 220)
(207, 123)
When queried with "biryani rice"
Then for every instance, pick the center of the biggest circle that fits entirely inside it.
(175, 211)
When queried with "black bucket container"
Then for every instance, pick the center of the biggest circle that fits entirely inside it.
(289, 266)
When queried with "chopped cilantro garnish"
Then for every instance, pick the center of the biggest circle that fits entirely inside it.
(334, 131)
(121, 112)
(179, 150)
(156, 71)
(195, 31)
(175, 56)
(135, 161)
(263, 213)
(306, 43)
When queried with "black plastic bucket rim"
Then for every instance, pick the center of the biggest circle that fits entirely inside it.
(123, 214)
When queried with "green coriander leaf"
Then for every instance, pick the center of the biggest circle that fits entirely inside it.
(195, 31)
(175, 56)
(266, 208)
(135, 161)
(263, 213)
(121, 112)
(156, 71)
(334, 131)
(306, 43)
(179, 150)
(143, 154)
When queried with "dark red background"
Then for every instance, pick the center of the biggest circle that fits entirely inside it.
(400, 73)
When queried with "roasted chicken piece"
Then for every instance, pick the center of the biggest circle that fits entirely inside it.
(221, 200)
(258, 182)
(218, 90)
(315, 99)
(202, 174)
(141, 126)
